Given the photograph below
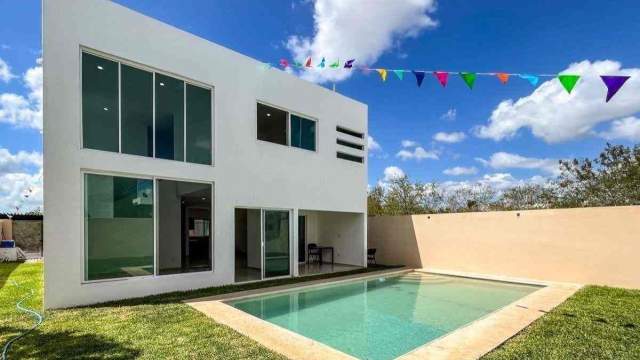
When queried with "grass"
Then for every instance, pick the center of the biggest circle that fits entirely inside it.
(595, 323)
(154, 327)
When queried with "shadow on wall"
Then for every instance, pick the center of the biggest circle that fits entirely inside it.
(395, 239)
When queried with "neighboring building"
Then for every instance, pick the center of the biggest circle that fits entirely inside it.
(172, 163)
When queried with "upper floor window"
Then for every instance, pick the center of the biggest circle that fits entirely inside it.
(281, 127)
(130, 110)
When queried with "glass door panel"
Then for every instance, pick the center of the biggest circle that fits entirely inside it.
(276, 243)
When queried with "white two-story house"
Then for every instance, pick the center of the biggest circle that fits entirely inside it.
(172, 163)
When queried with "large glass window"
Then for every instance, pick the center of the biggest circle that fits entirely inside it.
(169, 118)
(276, 243)
(272, 124)
(137, 111)
(198, 125)
(100, 111)
(184, 227)
(303, 133)
(118, 227)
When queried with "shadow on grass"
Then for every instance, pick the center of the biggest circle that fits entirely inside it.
(6, 269)
(65, 345)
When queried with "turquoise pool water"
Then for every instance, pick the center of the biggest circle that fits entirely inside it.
(386, 317)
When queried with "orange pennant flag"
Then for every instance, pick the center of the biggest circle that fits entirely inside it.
(503, 77)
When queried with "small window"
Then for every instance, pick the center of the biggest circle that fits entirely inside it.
(344, 156)
(100, 110)
(198, 125)
(349, 144)
(303, 133)
(272, 124)
(349, 132)
(137, 111)
(169, 118)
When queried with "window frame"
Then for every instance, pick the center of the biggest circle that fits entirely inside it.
(154, 179)
(289, 113)
(186, 80)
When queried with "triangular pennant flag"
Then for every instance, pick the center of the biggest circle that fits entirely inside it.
(503, 77)
(469, 78)
(442, 77)
(321, 65)
(335, 64)
(349, 64)
(419, 76)
(399, 73)
(532, 79)
(568, 81)
(284, 63)
(383, 74)
(308, 62)
(297, 64)
(614, 83)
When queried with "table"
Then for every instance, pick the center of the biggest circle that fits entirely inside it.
(321, 250)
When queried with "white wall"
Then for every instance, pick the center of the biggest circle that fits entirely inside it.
(346, 233)
(247, 172)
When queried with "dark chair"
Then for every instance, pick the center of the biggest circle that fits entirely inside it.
(371, 256)
(313, 253)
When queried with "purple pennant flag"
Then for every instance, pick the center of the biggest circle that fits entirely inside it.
(614, 83)
(419, 76)
(349, 64)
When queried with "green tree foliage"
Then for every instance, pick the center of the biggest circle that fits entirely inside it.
(611, 179)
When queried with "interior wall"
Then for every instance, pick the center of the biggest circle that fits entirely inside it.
(346, 233)
(253, 239)
(587, 245)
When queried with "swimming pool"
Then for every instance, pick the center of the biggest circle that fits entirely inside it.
(383, 318)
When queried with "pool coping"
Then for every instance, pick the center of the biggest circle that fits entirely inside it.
(467, 342)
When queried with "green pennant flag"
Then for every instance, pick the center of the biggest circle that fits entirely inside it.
(568, 81)
(469, 78)
(335, 64)
(399, 74)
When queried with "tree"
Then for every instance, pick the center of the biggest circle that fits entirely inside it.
(404, 197)
(375, 201)
(528, 196)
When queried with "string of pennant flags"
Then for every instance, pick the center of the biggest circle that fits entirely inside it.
(613, 82)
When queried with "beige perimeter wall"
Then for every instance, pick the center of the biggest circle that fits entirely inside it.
(588, 245)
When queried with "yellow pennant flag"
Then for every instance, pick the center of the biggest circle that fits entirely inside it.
(383, 74)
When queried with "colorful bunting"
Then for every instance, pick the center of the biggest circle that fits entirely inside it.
(284, 63)
(442, 77)
(335, 65)
(503, 77)
(419, 76)
(383, 74)
(308, 62)
(469, 78)
(321, 65)
(568, 81)
(613, 83)
(399, 73)
(532, 79)
(349, 64)
(297, 64)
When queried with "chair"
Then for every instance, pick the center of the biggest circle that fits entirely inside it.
(371, 256)
(313, 253)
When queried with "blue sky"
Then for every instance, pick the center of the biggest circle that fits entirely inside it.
(520, 142)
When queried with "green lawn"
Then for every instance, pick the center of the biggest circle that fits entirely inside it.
(596, 323)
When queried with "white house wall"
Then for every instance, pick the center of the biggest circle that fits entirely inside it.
(247, 172)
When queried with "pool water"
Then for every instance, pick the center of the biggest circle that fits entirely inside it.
(385, 317)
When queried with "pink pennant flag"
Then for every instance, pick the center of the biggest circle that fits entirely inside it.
(284, 63)
(442, 77)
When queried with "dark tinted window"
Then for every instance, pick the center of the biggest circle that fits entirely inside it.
(137, 111)
(349, 132)
(198, 125)
(169, 118)
(349, 144)
(349, 157)
(99, 103)
(272, 124)
(303, 133)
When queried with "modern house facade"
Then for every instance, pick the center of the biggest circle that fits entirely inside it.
(172, 163)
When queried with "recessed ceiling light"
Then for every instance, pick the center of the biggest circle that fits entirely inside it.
(161, 84)
(106, 108)
(100, 67)
(204, 198)
(268, 115)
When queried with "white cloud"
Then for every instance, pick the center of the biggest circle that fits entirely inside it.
(392, 173)
(496, 181)
(504, 160)
(556, 116)
(409, 143)
(372, 144)
(23, 111)
(418, 153)
(450, 138)
(5, 72)
(359, 29)
(450, 115)
(20, 181)
(624, 129)
(460, 170)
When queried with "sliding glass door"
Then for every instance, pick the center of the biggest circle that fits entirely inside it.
(276, 243)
